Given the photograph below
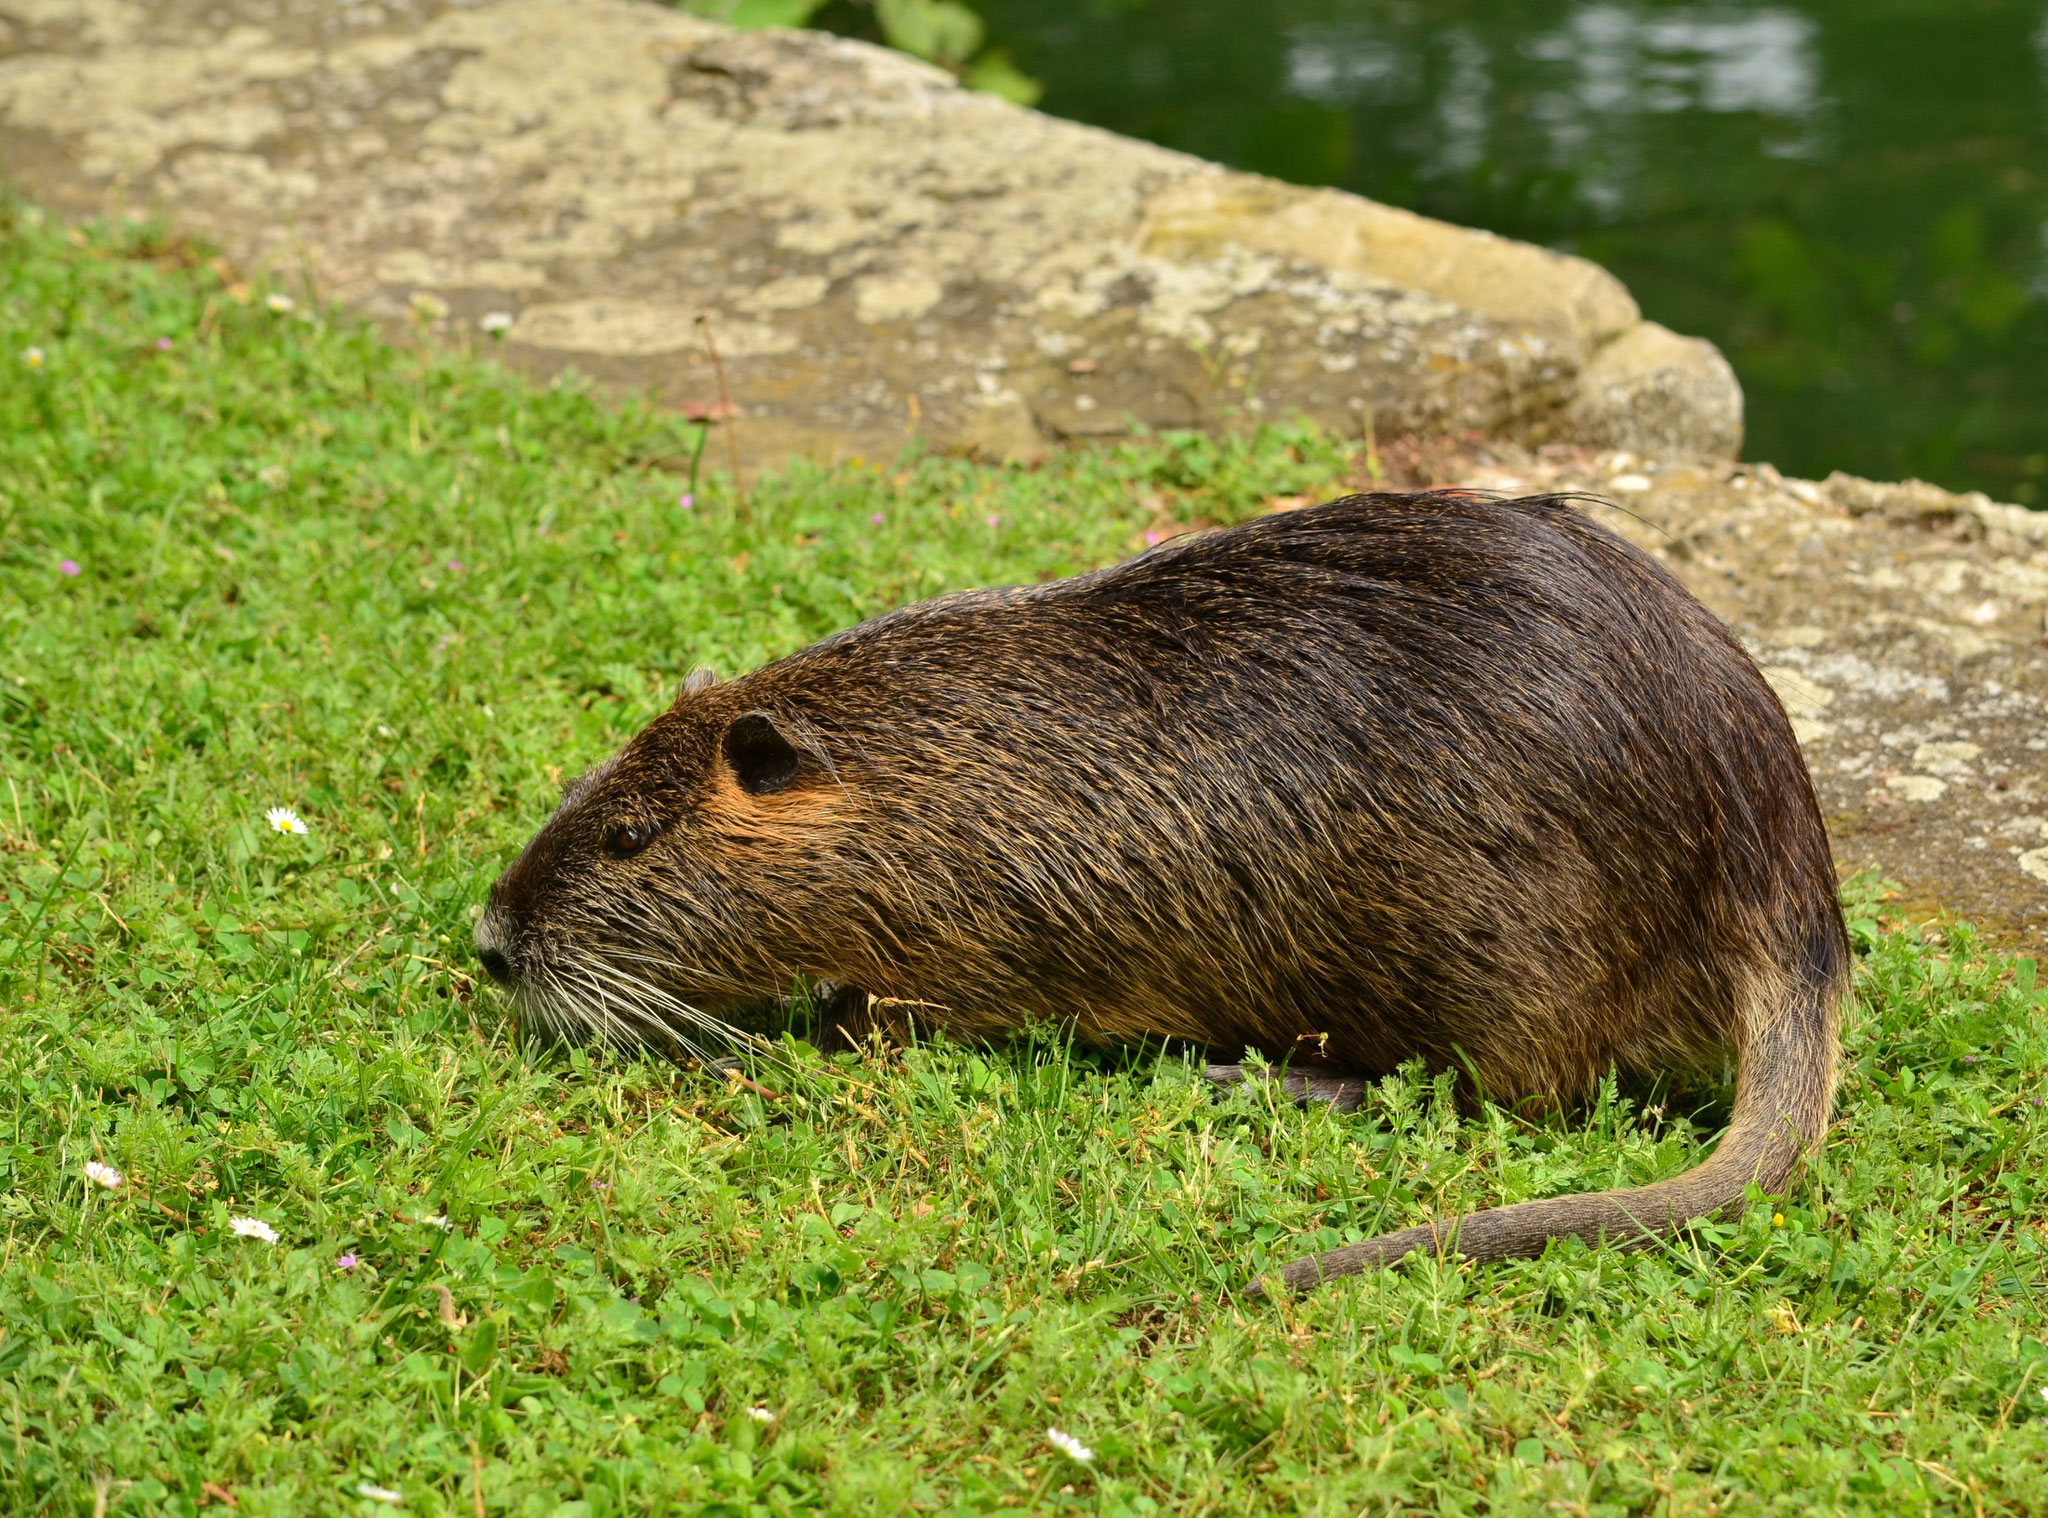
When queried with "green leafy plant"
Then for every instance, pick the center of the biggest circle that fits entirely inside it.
(946, 32)
(939, 31)
(754, 13)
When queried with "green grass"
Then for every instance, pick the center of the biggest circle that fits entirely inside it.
(404, 594)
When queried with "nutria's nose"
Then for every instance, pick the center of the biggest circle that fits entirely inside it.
(494, 945)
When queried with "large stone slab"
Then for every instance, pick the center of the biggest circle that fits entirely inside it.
(879, 252)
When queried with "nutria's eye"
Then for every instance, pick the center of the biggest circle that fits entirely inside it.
(628, 839)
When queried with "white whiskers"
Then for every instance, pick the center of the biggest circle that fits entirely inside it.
(598, 996)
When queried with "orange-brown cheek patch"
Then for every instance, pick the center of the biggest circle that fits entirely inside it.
(790, 819)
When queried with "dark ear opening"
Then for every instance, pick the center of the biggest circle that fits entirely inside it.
(762, 760)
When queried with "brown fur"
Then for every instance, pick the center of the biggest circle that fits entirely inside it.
(1397, 777)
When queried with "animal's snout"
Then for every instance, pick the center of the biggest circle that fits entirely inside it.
(495, 949)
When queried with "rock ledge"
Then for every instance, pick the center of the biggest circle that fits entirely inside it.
(879, 252)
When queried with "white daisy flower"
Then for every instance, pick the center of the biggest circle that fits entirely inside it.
(280, 303)
(1069, 1446)
(33, 357)
(378, 1493)
(760, 1415)
(497, 323)
(103, 1175)
(441, 1223)
(253, 1228)
(283, 819)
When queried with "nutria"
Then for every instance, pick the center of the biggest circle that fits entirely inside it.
(1430, 776)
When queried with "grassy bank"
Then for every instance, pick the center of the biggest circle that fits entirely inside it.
(251, 558)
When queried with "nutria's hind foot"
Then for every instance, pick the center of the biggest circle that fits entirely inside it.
(1341, 1089)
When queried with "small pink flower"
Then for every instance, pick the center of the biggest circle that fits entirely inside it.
(1152, 539)
(347, 1261)
(686, 500)
(455, 565)
(876, 519)
(993, 520)
(163, 345)
(67, 567)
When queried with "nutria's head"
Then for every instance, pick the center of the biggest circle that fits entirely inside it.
(671, 886)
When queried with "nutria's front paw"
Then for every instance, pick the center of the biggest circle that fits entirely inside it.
(845, 1021)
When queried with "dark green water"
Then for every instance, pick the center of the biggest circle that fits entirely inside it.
(1849, 196)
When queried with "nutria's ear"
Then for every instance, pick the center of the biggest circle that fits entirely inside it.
(762, 760)
(703, 677)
